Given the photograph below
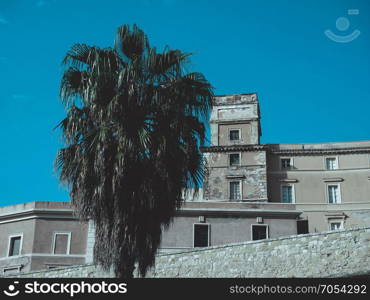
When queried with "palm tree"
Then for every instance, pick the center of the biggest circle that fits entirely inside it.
(135, 120)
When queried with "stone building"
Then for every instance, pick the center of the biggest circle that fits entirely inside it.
(271, 189)
(252, 191)
(40, 235)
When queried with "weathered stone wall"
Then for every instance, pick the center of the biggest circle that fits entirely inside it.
(251, 172)
(330, 254)
(238, 111)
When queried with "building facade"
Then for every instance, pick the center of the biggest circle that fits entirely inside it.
(325, 186)
(329, 182)
(40, 235)
(251, 191)
(234, 206)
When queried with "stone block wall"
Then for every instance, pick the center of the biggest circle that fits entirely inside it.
(251, 172)
(328, 254)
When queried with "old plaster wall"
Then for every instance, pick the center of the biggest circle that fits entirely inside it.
(251, 172)
(328, 254)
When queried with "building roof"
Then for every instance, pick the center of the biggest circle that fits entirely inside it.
(36, 209)
(251, 209)
(355, 147)
(235, 99)
(321, 148)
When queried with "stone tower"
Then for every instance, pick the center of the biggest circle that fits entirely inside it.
(236, 162)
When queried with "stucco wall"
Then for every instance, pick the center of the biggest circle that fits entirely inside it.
(330, 254)
(37, 243)
(311, 187)
(46, 228)
(319, 221)
(224, 229)
(353, 175)
(317, 162)
(25, 228)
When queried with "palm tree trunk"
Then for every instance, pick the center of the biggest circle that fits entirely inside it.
(125, 271)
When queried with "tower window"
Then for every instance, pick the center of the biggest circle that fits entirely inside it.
(235, 190)
(234, 134)
(234, 159)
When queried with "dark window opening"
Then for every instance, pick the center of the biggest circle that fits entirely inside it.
(259, 232)
(234, 159)
(234, 135)
(287, 194)
(302, 226)
(201, 235)
(286, 163)
(15, 246)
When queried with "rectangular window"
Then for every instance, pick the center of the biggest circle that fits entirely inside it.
(234, 135)
(333, 194)
(286, 163)
(259, 232)
(234, 159)
(287, 194)
(61, 243)
(302, 226)
(336, 225)
(235, 191)
(15, 244)
(331, 163)
(201, 235)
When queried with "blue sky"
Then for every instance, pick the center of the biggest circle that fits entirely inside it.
(311, 88)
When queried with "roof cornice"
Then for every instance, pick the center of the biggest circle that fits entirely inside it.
(278, 213)
(234, 148)
(327, 151)
(37, 214)
(272, 149)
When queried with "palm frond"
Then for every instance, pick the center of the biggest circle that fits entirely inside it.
(132, 43)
